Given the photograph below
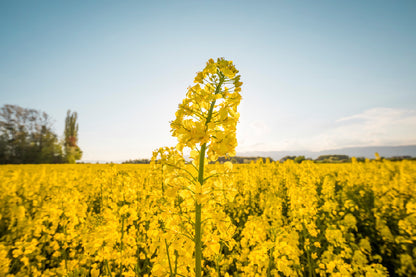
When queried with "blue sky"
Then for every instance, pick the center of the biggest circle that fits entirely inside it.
(317, 74)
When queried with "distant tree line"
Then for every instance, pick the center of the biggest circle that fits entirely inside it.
(137, 161)
(296, 159)
(299, 159)
(333, 159)
(342, 158)
(243, 160)
(26, 136)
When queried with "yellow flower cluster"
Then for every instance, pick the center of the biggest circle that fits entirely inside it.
(265, 219)
(179, 191)
(208, 115)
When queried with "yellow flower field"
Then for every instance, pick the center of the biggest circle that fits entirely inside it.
(263, 219)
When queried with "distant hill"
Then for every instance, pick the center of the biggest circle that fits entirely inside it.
(367, 152)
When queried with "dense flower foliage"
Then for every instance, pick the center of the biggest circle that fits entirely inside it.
(263, 219)
(174, 218)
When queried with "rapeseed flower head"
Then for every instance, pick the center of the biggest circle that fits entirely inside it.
(208, 115)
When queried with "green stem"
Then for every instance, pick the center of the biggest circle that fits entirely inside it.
(108, 268)
(309, 264)
(121, 244)
(198, 242)
(176, 262)
(170, 264)
(217, 262)
(269, 269)
(198, 227)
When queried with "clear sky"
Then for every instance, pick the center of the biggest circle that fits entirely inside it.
(317, 74)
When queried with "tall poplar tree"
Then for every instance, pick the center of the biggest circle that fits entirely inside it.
(72, 150)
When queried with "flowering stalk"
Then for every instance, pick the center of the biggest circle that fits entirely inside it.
(202, 120)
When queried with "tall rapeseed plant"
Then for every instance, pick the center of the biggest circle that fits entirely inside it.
(206, 124)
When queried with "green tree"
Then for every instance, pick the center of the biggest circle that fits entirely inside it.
(72, 150)
(299, 159)
(26, 136)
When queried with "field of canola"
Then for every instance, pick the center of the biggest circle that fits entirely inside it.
(263, 219)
